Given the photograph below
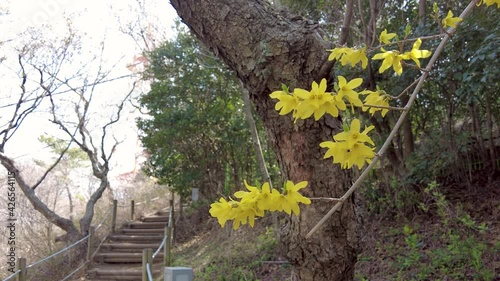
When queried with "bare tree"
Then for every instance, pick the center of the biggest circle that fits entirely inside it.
(99, 157)
(53, 86)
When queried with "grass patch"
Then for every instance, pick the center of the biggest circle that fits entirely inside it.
(227, 255)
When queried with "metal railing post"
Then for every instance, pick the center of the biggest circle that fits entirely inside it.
(132, 210)
(113, 219)
(21, 265)
(147, 257)
(90, 245)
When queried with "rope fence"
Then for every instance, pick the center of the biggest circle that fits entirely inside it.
(166, 245)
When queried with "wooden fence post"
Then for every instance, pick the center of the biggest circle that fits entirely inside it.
(21, 265)
(172, 233)
(132, 210)
(90, 246)
(113, 219)
(147, 257)
(167, 249)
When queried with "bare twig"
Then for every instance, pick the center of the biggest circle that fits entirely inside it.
(325, 199)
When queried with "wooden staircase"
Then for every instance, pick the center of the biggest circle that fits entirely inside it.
(120, 256)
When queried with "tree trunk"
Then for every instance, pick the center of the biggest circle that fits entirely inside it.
(70, 199)
(421, 13)
(86, 220)
(67, 225)
(266, 48)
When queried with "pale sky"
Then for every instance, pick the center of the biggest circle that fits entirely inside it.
(96, 21)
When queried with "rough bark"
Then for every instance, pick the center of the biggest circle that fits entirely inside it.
(86, 220)
(266, 48)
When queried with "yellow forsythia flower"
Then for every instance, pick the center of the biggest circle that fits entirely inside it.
(385, 38)
(313, 102)
(246, 196)
(286, 102)
(222, 210)
(390, 58)
(246, 211)
(377, 99)
(337, 53)
(354, 136)
(254, 202)
(293, 197)
(415, 53)
(393, 58)
(490, 2)
(346, 90)
(349, 56)
(348, 148)
(450, 20)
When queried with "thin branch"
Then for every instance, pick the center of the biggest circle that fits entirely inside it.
(407, 89)
(423, 38)
(74, 89)
(18, 117)
(53, 165)
(328, 199)
(381, 106)
(111, 122)
(388, 141)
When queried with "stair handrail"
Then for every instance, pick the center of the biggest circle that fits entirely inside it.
(48, 257)
(165, 236)
(16, 273)
(164, 240)
(148, 271)
(12, 275)
(105, 218)
(59, 252)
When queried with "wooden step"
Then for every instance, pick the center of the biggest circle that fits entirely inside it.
(155, 219)
(124, 258)
(117, 272)
(142, 231)
(120, 258)
(145, 225)
(136, 238)
(120, 278)
(128, 247)
(163, 213)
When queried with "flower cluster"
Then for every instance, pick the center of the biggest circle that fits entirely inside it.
(390, 58)
(349, 56)
(349, 148)
(254, 202)
(375, 101)
(489, 2)
(394, 57)
(316, 102)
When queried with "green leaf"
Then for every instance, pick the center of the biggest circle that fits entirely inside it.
(285, 88)
(407, 30)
